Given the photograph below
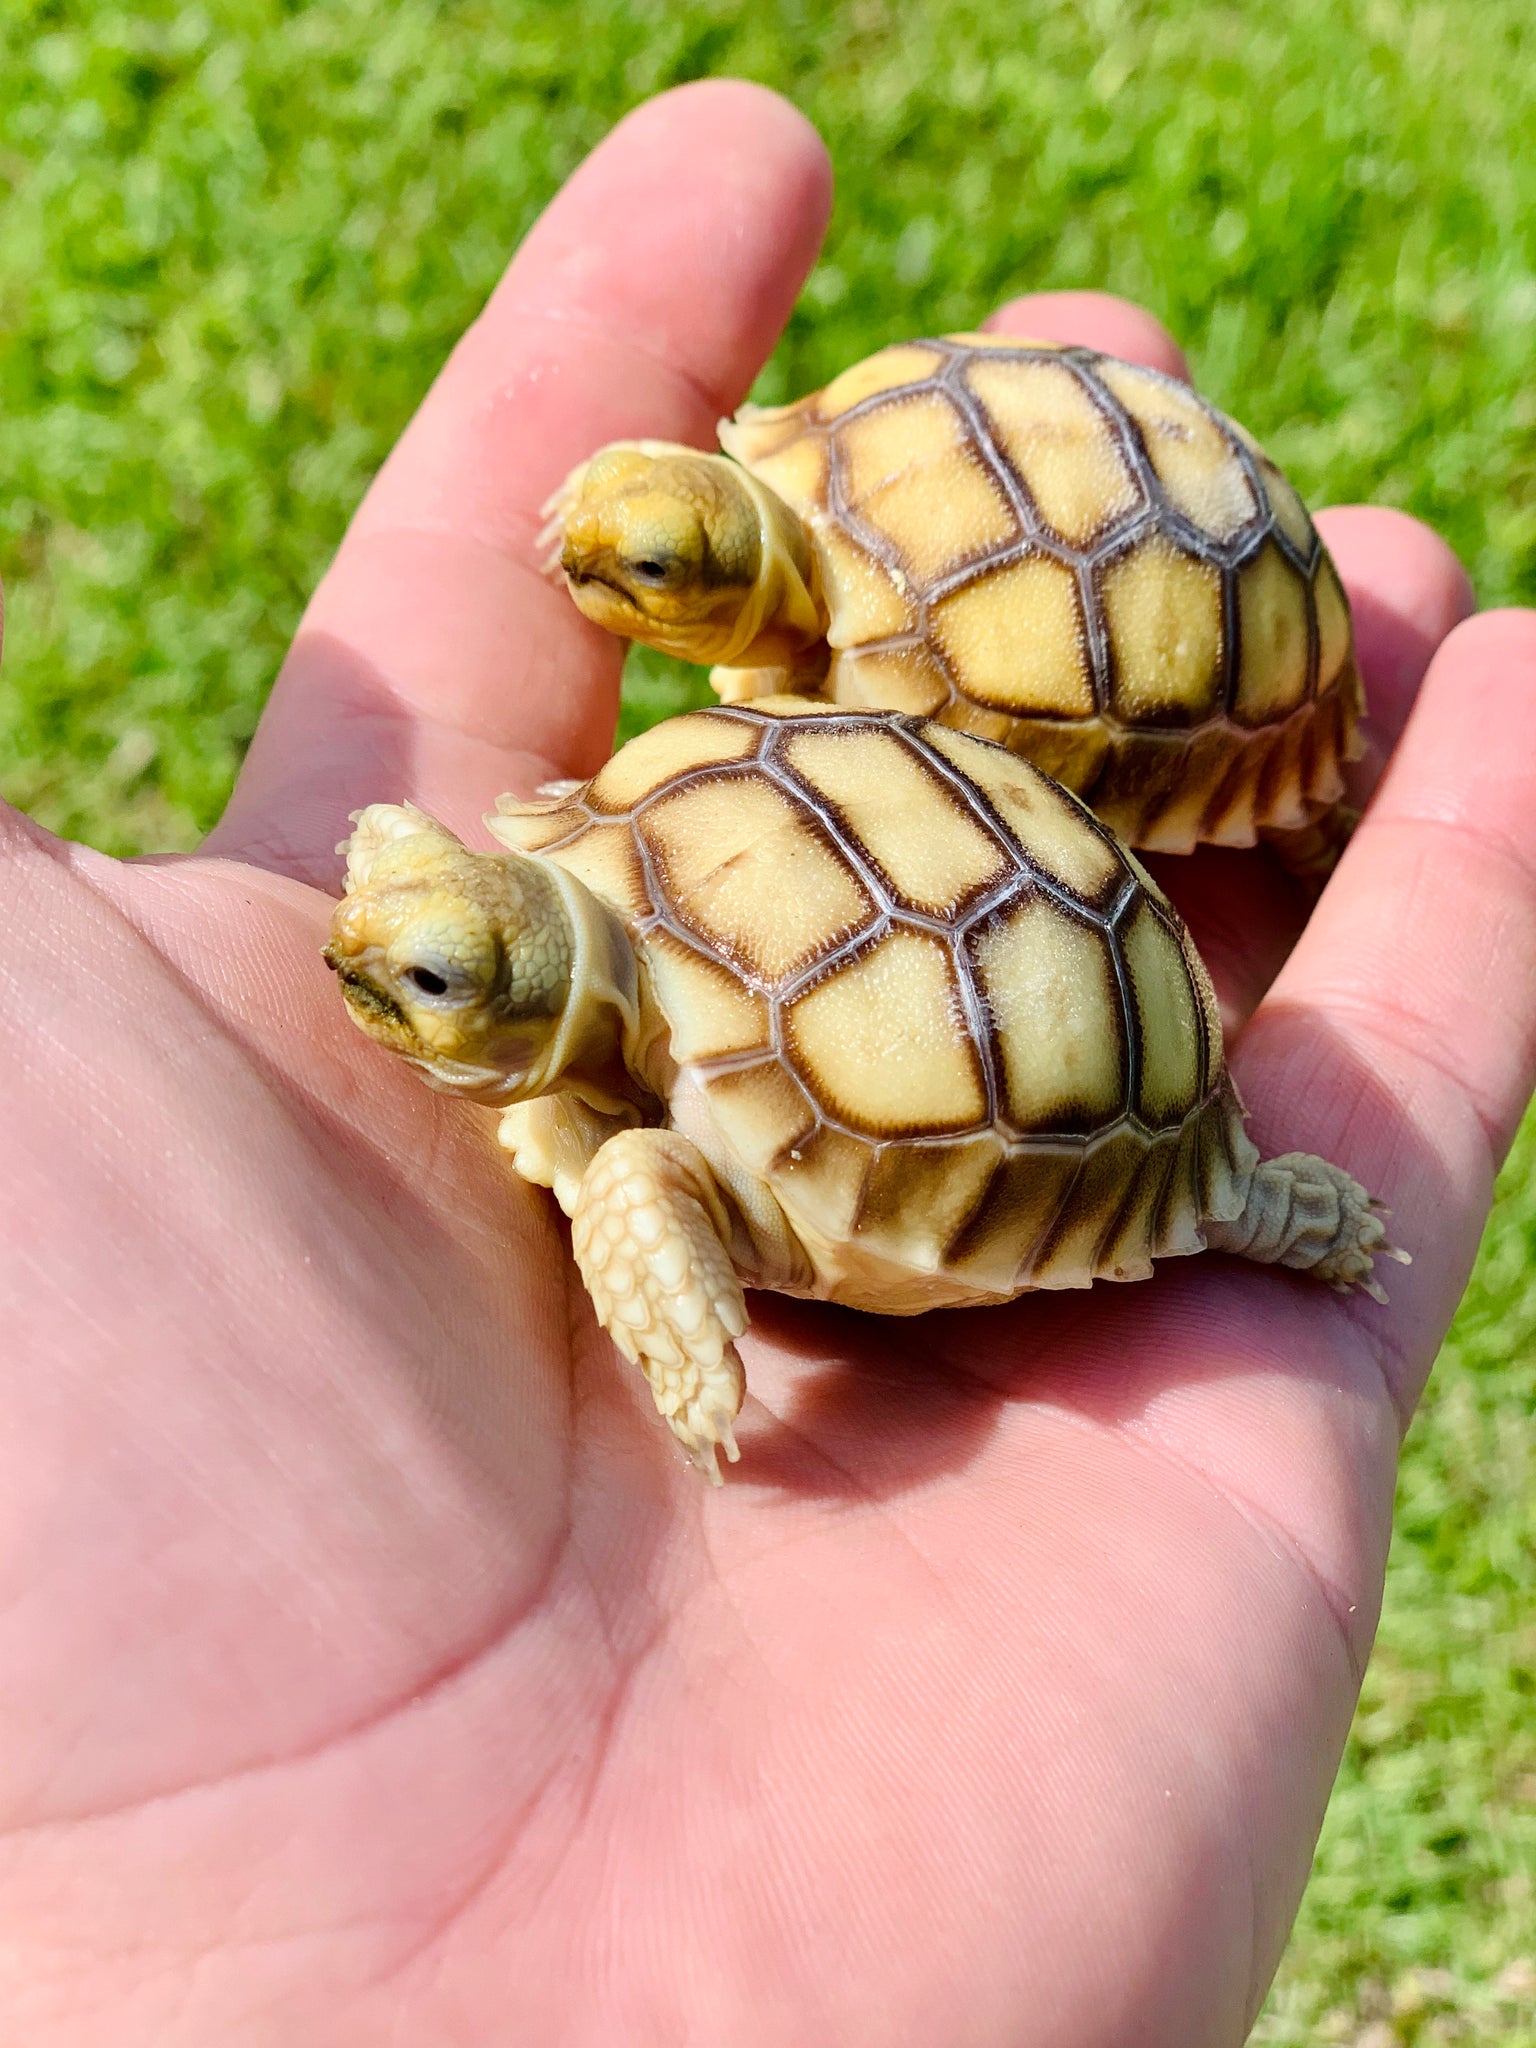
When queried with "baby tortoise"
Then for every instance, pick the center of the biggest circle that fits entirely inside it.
(848, 1004)
(1075, 556)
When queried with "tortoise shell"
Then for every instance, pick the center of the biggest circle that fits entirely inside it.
(1084, 560)
(905, 981)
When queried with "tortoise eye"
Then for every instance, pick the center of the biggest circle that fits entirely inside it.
(649, 572)
(425, 981)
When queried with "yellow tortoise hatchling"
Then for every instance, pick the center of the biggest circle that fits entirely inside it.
(1075, 556)
(846, 1004)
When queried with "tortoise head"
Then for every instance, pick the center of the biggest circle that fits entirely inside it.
(458, 961)
(662, 545)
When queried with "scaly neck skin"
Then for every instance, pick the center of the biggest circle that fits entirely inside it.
(590, 1051)
(786, 615)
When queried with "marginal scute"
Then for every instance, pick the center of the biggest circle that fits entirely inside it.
(606, 859)
(890, 679)
(710, 1010)
(918, 1198)
(529, 828)
(884, 1043)
(865, 601)
(1210, 1011)
(932, 850)
(752, 873)
(1176, 1221)
(1015, 639)
(1232, 804)
(759, 431)
(1290, 513)
(1054, 1000)
(1274, 641)
(760, 1111)
(1332, 623)
(797, 472)
(1169, 1026)
(1224, 1154)
(694, 740)
(1128, 1242)
(1020, 1204)
(1193, 458)
(1070, 751)
(1059, 441)
(911, 473)
(1156, 795)
(1055, 834)
(1163, 610)
(887, 371)
(820, 1180)
(1281, 792)
(1103, 1232)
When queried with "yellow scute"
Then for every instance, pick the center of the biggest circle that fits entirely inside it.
(1163, 611)
(1273, 639)
(918, 1198)
(889, 679)
(884, 1044)
(1170, 1027)
(695, 740)
(931, 848)
(710, 1010)
(1285, 502)
(864, 600)
(606, 859)
(797, 472)
(1055, 1006)
(751, 874)
(887, 371)
(912, 473)
(1014, 638)
(1050, 827)
(1332, 624)
(761, 1113)
(1195, 463)
(529, 828)
(1059, 441)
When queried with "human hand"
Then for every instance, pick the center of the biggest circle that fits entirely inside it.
(376, 1670)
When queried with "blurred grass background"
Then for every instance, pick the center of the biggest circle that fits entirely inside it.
(237, 239)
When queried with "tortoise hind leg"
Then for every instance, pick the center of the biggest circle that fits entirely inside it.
(1311, 852)
(1302, 1212)
(649, 1234)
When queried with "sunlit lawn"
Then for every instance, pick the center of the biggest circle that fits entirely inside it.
(235, 242)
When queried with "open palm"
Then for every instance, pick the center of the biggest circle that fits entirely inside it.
(374, 1669)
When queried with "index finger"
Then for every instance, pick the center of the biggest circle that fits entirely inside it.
(435, 660)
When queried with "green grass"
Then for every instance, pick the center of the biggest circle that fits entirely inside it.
(237, 239)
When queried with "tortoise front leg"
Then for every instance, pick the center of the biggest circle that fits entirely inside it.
(649, 1233)
(1304, 1213)
(806, 676)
